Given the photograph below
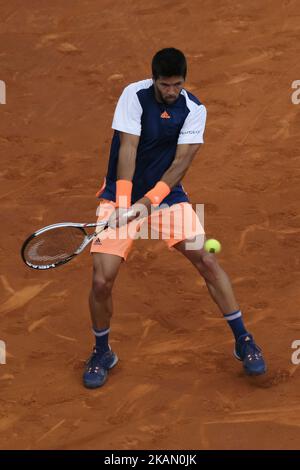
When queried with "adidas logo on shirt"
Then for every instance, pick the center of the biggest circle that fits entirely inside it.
(165, 115)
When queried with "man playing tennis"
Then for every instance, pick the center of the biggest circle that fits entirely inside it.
(158, 129)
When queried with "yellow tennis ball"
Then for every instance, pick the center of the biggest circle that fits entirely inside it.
(212, 246)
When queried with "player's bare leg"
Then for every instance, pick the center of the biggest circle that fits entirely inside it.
(216, 279)
(220, 289)
(105, 270)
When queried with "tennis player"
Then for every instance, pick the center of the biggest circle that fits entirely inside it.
(158, 129)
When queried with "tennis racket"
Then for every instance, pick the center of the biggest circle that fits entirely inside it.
(57, 244)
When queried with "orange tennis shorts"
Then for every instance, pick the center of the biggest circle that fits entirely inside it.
(171, 224)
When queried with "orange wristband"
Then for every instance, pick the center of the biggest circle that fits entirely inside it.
(123, 193)
(158, 193)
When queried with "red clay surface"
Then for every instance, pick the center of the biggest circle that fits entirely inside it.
(177, 385)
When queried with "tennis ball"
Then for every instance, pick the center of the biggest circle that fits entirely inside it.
(212, 246)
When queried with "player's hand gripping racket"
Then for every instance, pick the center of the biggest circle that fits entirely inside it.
(57, 244)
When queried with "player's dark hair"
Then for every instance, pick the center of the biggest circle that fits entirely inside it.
(169, 62)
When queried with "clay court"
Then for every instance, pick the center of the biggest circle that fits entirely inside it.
(177, 385)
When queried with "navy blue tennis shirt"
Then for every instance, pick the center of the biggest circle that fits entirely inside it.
(161, 128)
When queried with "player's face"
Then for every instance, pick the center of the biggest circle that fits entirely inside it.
(167, 89)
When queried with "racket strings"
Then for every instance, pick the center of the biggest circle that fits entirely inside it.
(54, 246)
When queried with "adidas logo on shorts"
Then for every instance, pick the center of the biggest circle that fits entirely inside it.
(97, 241)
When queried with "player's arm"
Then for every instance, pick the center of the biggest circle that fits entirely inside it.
(185, 154)
(127, 156)
(127, 121)
(125, 172)
(125, 169)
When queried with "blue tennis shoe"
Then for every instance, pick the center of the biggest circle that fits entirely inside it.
(250, 354)
(97, 367)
